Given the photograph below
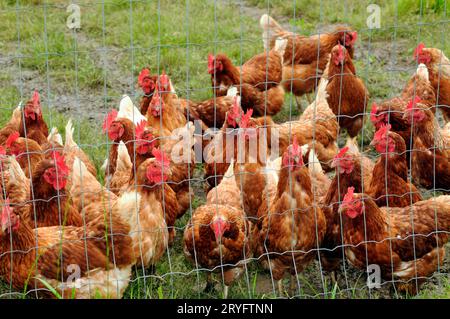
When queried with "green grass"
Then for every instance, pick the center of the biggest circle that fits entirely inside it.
(177, 37)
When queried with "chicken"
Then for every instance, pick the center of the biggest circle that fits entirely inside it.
(166, 111)
(262, 103)
(158, 198)
(217, 236)
(51, 256)
(430, 158)
(263, 71)
(50, 203)
(257, 183)
(212, 112)
(150, 230)
(54, 138)
(122, 174)
(231, 141)
(320, 129)
(88, 196)
(32, 124)
(439, 70)
(406, 243)
(118, 129)
(348, 97)
(305, 58)
(27, 152)
(419, 85)
(179, 147)
(351, 169)
(72, 150)
(292, 226)
(128, 111)
(391, 111)
(319, 181)
(140, 141)
(391, 187)
(147, 83)
(13, 124)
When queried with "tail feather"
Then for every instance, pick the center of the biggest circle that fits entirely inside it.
(69, 135)
(322, 94)
(17, 185)
(104, 165)
(280, 47)
(230, 171)
(16, 174)
(273, 167)
(54, 136)
(81, 176)
(352, 146)
(129, 111)
(314, 164)
(271, 28)
(123, 158)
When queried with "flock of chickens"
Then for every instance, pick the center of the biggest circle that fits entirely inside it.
(282, 212)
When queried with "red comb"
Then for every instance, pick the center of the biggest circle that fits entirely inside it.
(144, 73)
(60, 162)
(2, 151)
(342, 152)
(140, 128)
(12, 138)
(292, 154)
(164, 81)
(418, 50)
(412, 103)
(111, 117)
(348, 198)
(161, 157)
(210, 61)
(234, 113)
(354, 35)
(382, 131)
(35, 99)
(156, 99)
(245, 118)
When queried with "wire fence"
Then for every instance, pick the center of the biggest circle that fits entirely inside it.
(154, 226)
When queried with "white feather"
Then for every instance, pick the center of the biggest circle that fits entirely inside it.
(129, 111)
(54, 136)
(232, 91)
(422, 71)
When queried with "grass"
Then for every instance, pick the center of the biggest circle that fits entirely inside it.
(101, 62)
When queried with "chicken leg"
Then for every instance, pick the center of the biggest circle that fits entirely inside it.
(292, 285)
(280, 288)
(225, 292)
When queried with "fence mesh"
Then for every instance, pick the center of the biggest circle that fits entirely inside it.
(82, 72)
